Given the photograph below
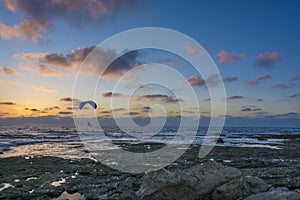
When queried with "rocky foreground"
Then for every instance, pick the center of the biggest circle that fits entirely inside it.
(226, 173)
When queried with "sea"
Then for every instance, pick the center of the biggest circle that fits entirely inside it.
(66, 142)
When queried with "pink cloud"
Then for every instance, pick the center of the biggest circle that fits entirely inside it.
(263, 77)
(196, 80)
(193, 50)
(9, 71)
(26, 30)
(267, 60)
(295, 95)
(211, 81)
(251, 82)
(41, 88)
(226, 57)
(296, 78)
(281, 86)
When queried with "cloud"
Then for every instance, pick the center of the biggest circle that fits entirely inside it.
(57, 59)
(235, 97)
(267, 60)
(296, 78)
(246, 110)
(210, 82)
(38, 16)
(260, 99)
(257, 81)
(132, 113)
(145, 109)
(281, 86)
(118, 109)
(68, 99)
(295, 95)
(193, 50)
(27, 30)
(65, 113)
(158, 97)
(230, 79)
(9, 71)
(44, 89)
(226, 57)
(251, 82)
(250, 109)
(8, 103)
(31, 109)
(263, 77)
(56, 64)
(43, 70)
(105, 112)
(287, 115)
(52, 108)
(112, 94)
(196, 80)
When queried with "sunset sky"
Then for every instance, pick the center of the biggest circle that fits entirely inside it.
(255, 45)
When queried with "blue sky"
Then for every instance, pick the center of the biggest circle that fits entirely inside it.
(255, 45)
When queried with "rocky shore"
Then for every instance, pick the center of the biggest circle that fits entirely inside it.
(226, 173)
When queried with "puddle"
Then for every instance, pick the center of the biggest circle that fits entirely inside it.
(58, 183)
(5, 185)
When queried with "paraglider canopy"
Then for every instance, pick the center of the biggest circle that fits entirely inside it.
(92, 103)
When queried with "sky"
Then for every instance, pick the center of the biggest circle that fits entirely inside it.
(255, 45)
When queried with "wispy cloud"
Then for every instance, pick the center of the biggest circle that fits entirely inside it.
(260, 99)
(267, 60)
(68, 99)
(56, 64)
(9, 71)
(235, 97)
(112, 94)
(258, 80)
(194, 50)
(158, 97)
(281, 86)
(227, 57)
(295, 95)
(247, 109)
(296, 78)
(65, 113)
(38, 15)
(230, 79)
(7, 103)
(52, 108)
(263, 77)
(41, 88)
(145, 109)
(251, 82)
(211, 81)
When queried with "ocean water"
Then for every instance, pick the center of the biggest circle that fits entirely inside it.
(66, 141)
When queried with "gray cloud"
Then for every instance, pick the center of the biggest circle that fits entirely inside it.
(39, 15)
(267, 60)
(159, 97)
(8, 103)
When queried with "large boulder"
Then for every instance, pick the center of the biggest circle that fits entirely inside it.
(208, 180)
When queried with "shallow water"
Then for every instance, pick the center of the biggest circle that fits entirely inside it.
(68, 143)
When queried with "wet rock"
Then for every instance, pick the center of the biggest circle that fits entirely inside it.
(276, 194)
(199, 181)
